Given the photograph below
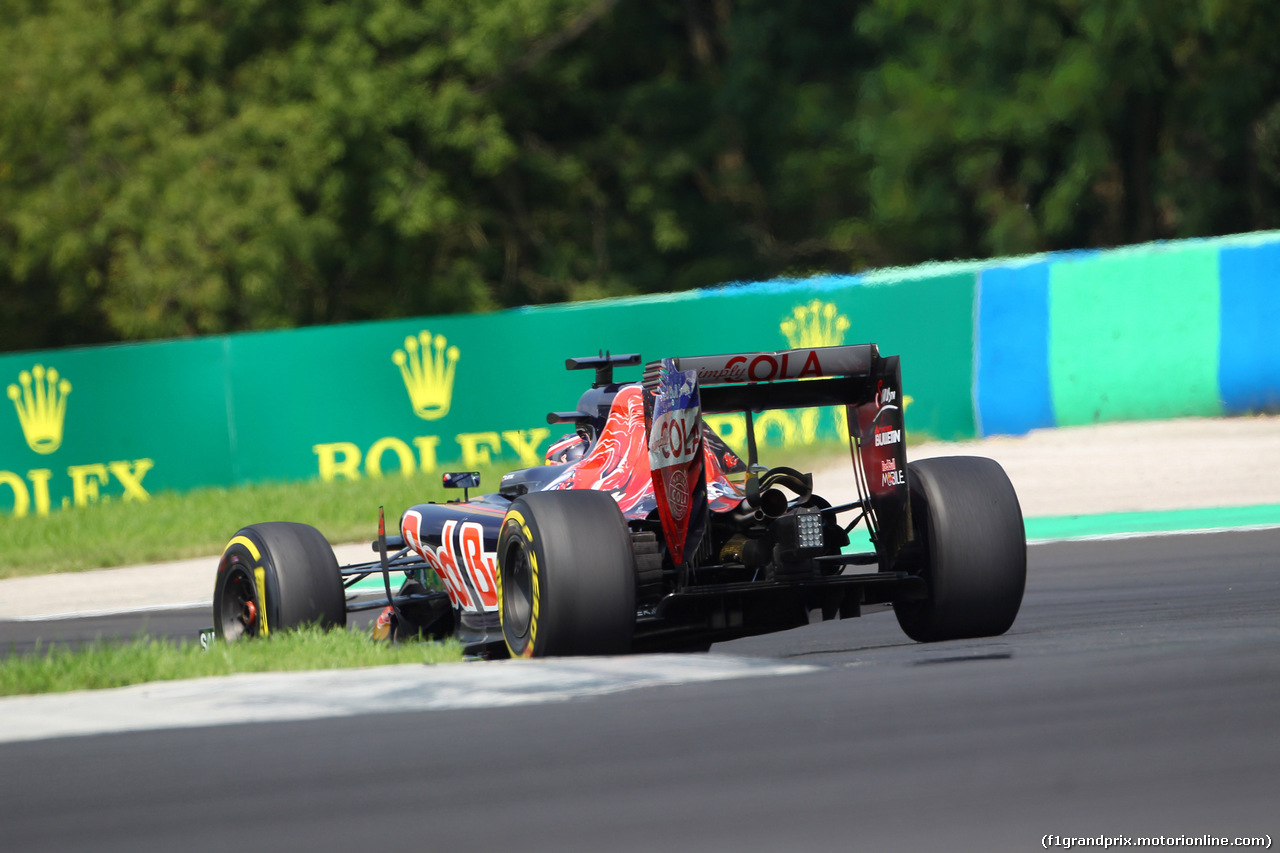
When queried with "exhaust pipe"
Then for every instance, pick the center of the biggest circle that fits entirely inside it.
(771, 504)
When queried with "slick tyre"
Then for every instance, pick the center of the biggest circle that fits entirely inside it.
(566, 576)
(277, 576)
(971, 550)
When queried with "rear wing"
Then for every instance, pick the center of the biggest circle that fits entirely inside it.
(857, 377)
(790, 379)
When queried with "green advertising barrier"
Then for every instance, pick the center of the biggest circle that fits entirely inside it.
(112, 422)
(423, 394)
(415, 395)
(1131, 334)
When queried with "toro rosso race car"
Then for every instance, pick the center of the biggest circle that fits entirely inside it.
(645, 531)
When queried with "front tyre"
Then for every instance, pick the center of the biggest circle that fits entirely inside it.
(566, 576)
(277, 576)
(972, 549)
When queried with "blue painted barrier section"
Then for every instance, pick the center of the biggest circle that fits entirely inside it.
(1249, 352)
(1011, 376)
(1013, 383)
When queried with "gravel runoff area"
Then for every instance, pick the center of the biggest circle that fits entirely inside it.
(1191, 463)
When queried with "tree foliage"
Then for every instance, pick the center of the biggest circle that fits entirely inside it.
(177, 168)
(1069, 123)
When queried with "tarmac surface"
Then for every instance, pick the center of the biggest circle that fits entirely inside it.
(1135, 697)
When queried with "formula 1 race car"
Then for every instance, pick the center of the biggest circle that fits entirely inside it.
(645, 531)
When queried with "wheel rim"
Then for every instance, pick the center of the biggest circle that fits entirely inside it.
(517, 590)
(238, 614)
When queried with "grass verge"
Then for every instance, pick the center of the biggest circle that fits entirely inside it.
(116, 664)
(199, 523)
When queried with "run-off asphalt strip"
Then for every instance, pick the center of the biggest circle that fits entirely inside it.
(281, 696)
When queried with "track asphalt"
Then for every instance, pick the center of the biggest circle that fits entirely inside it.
(1135, 696)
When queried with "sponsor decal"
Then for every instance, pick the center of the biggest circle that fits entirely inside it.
(893, 478)
(40, 401)
(410, 525)
(762, 367)
(673, 440)
(678, 494)
(345, 460)
(41, 407)
(885, 396)
(887, 435)
(818, 324)
(467, 571)
(87, 483)
(427, 367)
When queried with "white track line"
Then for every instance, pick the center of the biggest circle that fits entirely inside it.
(121, 611)
(280, 696)
(1147, 534)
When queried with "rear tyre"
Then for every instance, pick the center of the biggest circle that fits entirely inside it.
(566, 576)
(972, 550)
(277, 576)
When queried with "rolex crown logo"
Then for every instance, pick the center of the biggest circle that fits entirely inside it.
(818, 324)
(41, 402)
(427, 369)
